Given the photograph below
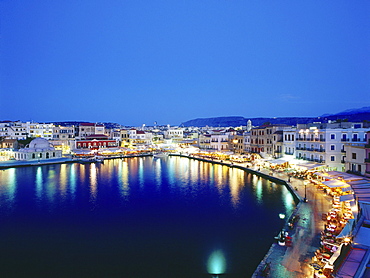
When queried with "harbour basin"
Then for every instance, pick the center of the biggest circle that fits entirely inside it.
(137, 217)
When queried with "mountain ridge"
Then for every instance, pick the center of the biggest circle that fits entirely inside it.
(351, 115)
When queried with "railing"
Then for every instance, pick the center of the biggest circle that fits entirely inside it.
(288, 153)
(367, 160)
(342, 161)
(367, 146)
(320, 150)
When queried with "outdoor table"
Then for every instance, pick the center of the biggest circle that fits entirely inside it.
(328, 241)
(326, 256)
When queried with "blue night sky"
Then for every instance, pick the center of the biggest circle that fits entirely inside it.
(135, 62)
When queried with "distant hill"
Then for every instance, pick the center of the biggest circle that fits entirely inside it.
(351, 115)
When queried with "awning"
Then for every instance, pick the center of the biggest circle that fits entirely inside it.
(334, 183)
(309, 166)
(361, 181)
(347, 230)
(348, 197)
(344, 176)
(278, 161)
(346, 188)
(321, 174)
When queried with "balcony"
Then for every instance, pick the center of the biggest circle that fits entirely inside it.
(320, 150)
(343, 161)
(367, 146)
(287, 153)
(344, 140)
(367, 160)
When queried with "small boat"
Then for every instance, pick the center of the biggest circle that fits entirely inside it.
(160, 155)
(91, 160)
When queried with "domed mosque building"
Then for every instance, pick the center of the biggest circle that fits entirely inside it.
(38, 149)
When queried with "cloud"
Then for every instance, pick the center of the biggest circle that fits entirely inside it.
(288, 97)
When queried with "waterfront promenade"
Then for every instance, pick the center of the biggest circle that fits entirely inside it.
(294, 261)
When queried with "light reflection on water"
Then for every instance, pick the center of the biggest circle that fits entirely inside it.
(39, 183)
(72, 180)
(123, 177)
(189, 204)
(8, 187)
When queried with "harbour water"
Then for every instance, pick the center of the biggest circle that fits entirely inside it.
(137, 217)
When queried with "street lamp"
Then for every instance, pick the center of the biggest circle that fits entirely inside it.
(305, 191)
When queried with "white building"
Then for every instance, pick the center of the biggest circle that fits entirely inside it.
(40, 130)
(219, 142)
(247, 142)
(289, 137)
(140, 138)
(355, 157)
(324, 143)
(13, 130)
(177, 134)
(38, 149)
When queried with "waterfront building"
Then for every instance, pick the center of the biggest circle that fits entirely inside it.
(219, 141)
(367, 154)
(13, 130)
(140, 138)
(63, 132)
(174, 134)
(86, 129)
(38, 149)
(262, 139)
(95, 142)
(237, 143)
(289, 137)
(9, 144)
(247, 142)
(324, 143)
(205, 141)
(355, 158)
(64, 138)
(124, 137)
(277, 144)
(42, 130)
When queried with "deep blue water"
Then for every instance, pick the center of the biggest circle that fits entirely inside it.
(137, 217)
